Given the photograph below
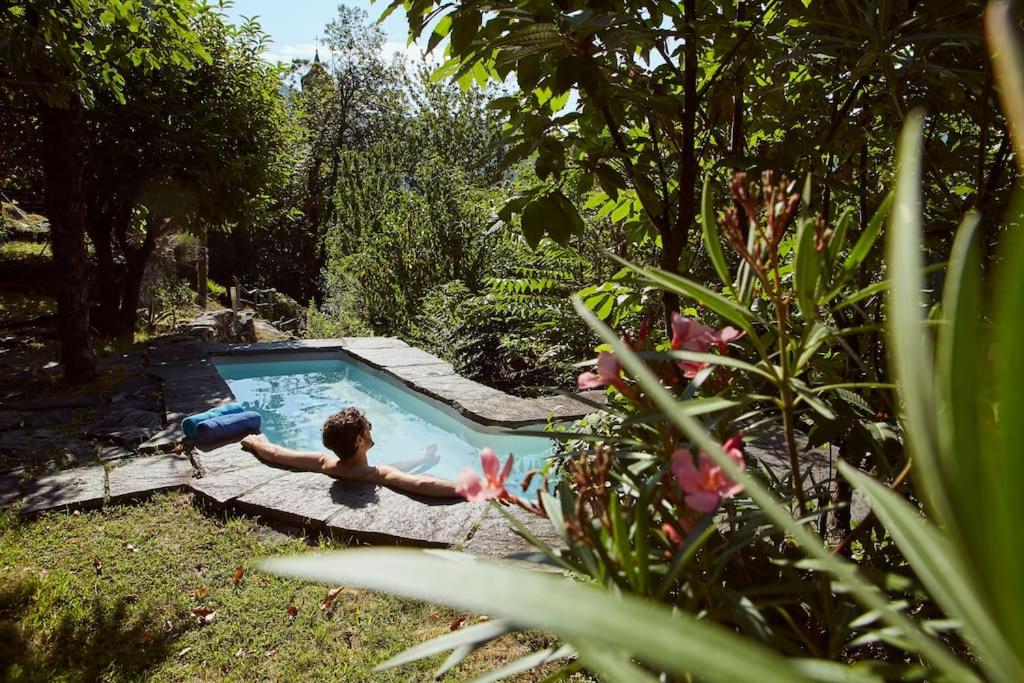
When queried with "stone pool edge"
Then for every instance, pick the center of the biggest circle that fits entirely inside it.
(434, 378)
(225, 477)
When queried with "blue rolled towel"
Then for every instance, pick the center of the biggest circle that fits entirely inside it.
(189, 424)
(224, 427)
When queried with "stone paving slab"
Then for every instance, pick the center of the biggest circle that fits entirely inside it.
(378, 514)
(494, 536)
(10, 488)
(359, 343)
(411, 373)
(459, 389)
(81, 487)
(224, 458)
(225, 486)
(276, 347)
(305, 498)
(143, 476)
(394, 357)
(169, 436)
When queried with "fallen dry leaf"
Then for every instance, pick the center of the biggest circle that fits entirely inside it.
(184, 652)
(457, 622)
(239, 573)
(168, 626)
(200, 593)
(329, 600)
(293, 612)
(203, 615)
(240, 652)
(131, 598)
(347, 637)
(130, 548)
(270, 653)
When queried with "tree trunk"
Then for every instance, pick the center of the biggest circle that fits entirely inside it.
(203, 268)
(106, 275)
(678, 234)
(62, 132)
(131, 288)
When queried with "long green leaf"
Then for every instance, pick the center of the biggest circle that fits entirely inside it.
(938, 565)
(962, 389)
(812, 544)
(712, 240)
(1008, 65)
(1004, 464)
(912, 352)
(579, 613)
(867, 239)
(611, 665)
(728, 309)
(477, 633)
(808, 270)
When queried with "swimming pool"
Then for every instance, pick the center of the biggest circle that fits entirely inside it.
(295, 395)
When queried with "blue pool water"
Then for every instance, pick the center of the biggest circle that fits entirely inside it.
(295, 396)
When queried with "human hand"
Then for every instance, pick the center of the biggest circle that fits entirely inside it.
(250, 443)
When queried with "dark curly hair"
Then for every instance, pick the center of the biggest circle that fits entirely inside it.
(341, 430)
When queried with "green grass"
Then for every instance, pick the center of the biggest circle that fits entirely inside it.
(17, 306)
(24, 250)
(106, 595)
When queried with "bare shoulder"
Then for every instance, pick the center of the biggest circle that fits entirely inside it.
(369, 474)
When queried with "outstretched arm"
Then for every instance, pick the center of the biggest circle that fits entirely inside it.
(279, 455)
(421, 484)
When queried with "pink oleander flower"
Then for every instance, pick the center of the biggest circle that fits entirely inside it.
(706, 484)
(690, 335)
(608, 372)
(469, 485)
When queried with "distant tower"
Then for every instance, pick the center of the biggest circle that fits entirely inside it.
(317, 75)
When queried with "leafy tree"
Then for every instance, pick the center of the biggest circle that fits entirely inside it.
(644, 98)
(56, 61)
(191, 149)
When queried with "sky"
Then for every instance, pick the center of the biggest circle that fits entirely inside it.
(295, 25)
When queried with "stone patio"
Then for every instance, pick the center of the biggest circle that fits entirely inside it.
(228, 477)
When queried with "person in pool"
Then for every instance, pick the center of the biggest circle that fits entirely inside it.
(348, 434)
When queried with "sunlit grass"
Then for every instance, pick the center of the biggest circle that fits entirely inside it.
(24, 250)
(107, 595)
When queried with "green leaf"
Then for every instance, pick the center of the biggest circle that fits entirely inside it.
(465, 24)
(537, 218)
(911, 348)
(862, 248)
(808, 269)
(1003, 463)
(612, 665)
(937, 563)
(960, 370)
(838, 239)
(1008, 65)
(724, 307)
(577, 612)
(477, 633)
(712, 241)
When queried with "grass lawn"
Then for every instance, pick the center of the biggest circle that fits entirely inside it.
(24, 250)
(109, 595)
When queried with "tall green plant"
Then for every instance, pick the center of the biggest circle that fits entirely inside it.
(963, 551)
